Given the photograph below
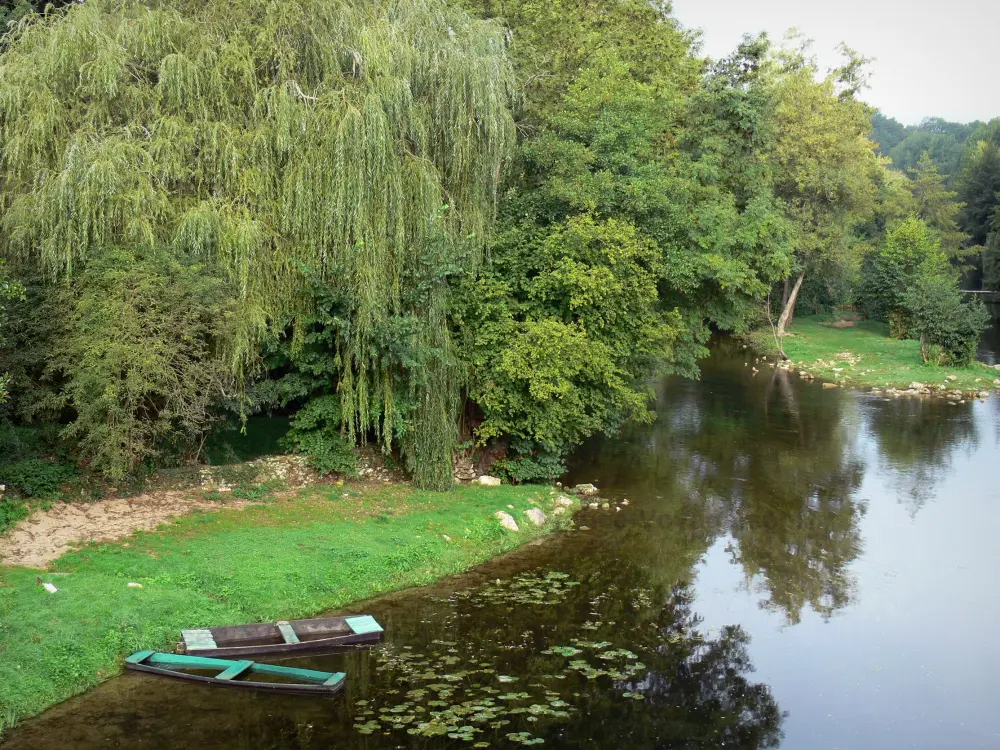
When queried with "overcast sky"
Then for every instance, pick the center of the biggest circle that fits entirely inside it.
(932, 58)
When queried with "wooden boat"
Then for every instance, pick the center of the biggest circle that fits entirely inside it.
(281, 637)
(237, 673)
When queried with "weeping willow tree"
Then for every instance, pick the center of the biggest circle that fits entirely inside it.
(274, 138)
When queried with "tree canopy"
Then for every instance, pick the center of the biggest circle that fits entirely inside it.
(267, 138)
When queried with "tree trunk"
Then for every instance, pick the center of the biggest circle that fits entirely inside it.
(786, 314)
(787, 291)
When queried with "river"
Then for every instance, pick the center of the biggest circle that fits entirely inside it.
(796, 567)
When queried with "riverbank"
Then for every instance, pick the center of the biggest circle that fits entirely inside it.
(288, 558)
(863, 355)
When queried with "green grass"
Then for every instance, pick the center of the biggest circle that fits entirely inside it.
(874, 359)
(276, 561)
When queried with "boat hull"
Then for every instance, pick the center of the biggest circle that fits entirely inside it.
(317, 634)
(313, 682)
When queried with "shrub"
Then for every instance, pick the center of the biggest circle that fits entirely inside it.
(36, 477)
(948, 328)
(909, 254)
(316, 433)
(526, 463)
(142, 357)
(11, 512)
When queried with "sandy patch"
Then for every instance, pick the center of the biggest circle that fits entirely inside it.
(45, 535)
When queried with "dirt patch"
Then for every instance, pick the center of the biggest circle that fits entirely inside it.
(45, 535)
(843, 324)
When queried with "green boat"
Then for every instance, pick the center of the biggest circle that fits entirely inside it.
(235, 673)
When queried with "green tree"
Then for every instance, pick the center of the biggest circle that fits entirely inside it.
(824, 162)
(909, 253)
(142, 357)
(267, 137)
(936, 205)
(639, 214)
(979, 183)
(948, 328)
(886, 132)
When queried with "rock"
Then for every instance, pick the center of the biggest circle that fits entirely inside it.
(536, 516)
(507, 520)
(49, 587)
(916, 386)
(134, 585)
(592, 506)
(625, 501)
(489, 481)
(446, 537)
(559, 485)
(586, 489)
(584, 528)
(830, 385)
(564, 501)
(952, 377)
(558, 511)
(984, 394)
(606, 506)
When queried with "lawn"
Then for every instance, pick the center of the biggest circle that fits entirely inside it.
(284, 559)
(864, 355)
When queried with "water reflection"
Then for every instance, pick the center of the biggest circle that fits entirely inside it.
(917, 439)
(779, 480)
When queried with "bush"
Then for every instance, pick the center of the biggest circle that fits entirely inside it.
(11, 512)
(948, 328)
(36, 477)
(909, 254)
(142, 357)
(525, 463)
(316, 433)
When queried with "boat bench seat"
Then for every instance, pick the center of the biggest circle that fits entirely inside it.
(287, 632)
(199, 638)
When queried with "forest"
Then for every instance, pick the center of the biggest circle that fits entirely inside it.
(436, 227)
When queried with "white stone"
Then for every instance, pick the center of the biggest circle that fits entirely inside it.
(134, 585)
(536, 516)
(558, 511)
(564, 501)
(586, 489)
(489, 481)
(507, 520)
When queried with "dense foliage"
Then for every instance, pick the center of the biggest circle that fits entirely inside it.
(263, 138)
(419, 224)
(947, 327)
(908, 256)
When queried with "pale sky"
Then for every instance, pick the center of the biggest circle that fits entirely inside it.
(932, 58)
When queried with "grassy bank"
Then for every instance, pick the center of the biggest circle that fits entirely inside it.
(864, 355)
(281, 560)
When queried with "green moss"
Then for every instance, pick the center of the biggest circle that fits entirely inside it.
(864, 355)
(281, 560)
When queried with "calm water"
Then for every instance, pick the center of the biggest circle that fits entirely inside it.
(796, 568)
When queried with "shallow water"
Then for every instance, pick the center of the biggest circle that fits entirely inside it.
(797, 567)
